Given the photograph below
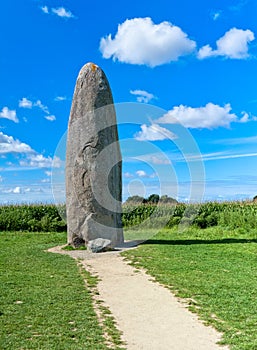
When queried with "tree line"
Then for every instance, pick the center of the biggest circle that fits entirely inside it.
(152, 199)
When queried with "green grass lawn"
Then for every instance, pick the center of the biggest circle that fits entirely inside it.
(216, 269)
(43, 300)
(44, 303)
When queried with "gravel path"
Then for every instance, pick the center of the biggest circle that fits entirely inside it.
(148, 315)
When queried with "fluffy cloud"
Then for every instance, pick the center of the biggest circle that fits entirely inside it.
(9, 145)
(26, 103)
(140, 41)
(208, 117)
(62, 12)
(14, 190)
(141, 173)
(142, 95)
(23, 191)
(246, 117)
(154, 132)
(234, 44)
(28, 156)
(36, 160)
(17, 190)
(6, 113)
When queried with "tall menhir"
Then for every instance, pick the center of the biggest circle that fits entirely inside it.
(93, 162)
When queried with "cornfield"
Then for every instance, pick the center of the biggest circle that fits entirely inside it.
(40, 217)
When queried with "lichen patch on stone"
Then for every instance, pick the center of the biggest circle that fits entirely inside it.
(93, 67)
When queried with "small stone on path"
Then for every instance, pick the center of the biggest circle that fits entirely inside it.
(99, 245)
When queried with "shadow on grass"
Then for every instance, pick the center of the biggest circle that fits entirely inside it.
(199, 241)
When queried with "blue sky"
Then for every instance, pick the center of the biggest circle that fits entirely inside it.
(188, 70)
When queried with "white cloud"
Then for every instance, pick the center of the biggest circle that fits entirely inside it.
(21, 190)
(40, 105)
(142, 95)
(62, 12)
(6, 113)
(221, 155)
(30, 158)
(17, 190)
(9, 145)
(60, 98)
(57, 162)
(27, 189)
(14, 190)
(140, 41)
(205, 51)
(160, 160)
(154, 132)
(25, 103)
(45, 9)
(128, 175)
(208, 117)
(141, 173)
(39, 161)
(26, 193)
(216, 15)
(45, 180)
(246, 118)
(51, 118)
(196, 157)
(234, 44)
(48, 173)
(59, 11)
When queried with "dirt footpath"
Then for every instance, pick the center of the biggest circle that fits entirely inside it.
(148, 315)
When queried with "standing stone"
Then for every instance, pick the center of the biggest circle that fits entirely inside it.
(93, 162)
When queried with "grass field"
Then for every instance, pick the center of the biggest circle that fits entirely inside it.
(43, 300)
(44, 303)
(215, 270)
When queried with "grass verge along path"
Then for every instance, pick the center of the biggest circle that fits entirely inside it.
(215, 269)
(43, 300)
